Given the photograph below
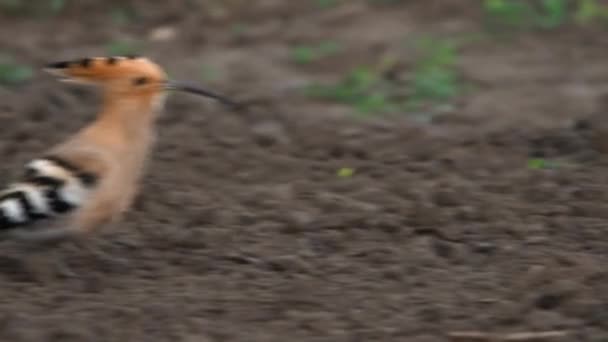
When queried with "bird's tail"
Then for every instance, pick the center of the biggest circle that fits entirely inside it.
(50, 187)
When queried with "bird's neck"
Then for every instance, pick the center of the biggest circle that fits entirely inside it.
(130, 115)
(125, 125)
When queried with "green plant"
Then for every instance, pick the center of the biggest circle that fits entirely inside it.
(547, 14)
(590, 10)
(345, 172)
(386, 2)
(523, 14)
(326, 3)
(22, 7)
(58, 5)
(553, 13)
(360, 88)
(304, 54)
(435, 79)
(434, 82)
(12, 73)
(12, 6)
(123, 15)
(541, 163)
(507, 12)
(239, 29)
(122, 48)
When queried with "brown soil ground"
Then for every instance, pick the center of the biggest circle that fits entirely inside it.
(243, 231)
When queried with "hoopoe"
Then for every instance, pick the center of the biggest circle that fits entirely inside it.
(91, 179)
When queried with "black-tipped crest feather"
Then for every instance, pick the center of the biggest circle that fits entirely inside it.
(85, 62)
(58, 65)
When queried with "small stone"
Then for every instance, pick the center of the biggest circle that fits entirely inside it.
(270, 133)
(287, 263)
(163, 34)
(484, 247)
(446, 198)
(596, 314)
(548, 301)
(443, 249)
(302, 218)
(430, 314)
(582, 125)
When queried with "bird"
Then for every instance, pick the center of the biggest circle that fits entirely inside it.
(90, 179)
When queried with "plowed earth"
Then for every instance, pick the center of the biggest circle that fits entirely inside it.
(243, 230)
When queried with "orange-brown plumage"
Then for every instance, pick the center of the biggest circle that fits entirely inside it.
(119, 140)
(92, 177)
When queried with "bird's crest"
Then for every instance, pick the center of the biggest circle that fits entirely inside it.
(105, 69)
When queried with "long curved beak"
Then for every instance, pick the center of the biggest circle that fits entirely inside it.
(197, 90)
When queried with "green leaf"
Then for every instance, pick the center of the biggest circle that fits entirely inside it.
(324, 4)
(12, 6)
(12, 73)
(345, 172)
(536, 163)
(511, 13)
(239, 29)
(373, 103)
(122, 48)
(587, 11)
(303, 54)
(57, 5)
(306, 54)
(555, 13)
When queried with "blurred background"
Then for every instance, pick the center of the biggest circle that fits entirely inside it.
(408, 169)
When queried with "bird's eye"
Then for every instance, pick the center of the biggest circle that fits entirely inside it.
(140, 81)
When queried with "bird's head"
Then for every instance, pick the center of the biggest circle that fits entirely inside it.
(125, 77)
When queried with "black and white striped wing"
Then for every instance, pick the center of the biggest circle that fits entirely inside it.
(50, 187)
